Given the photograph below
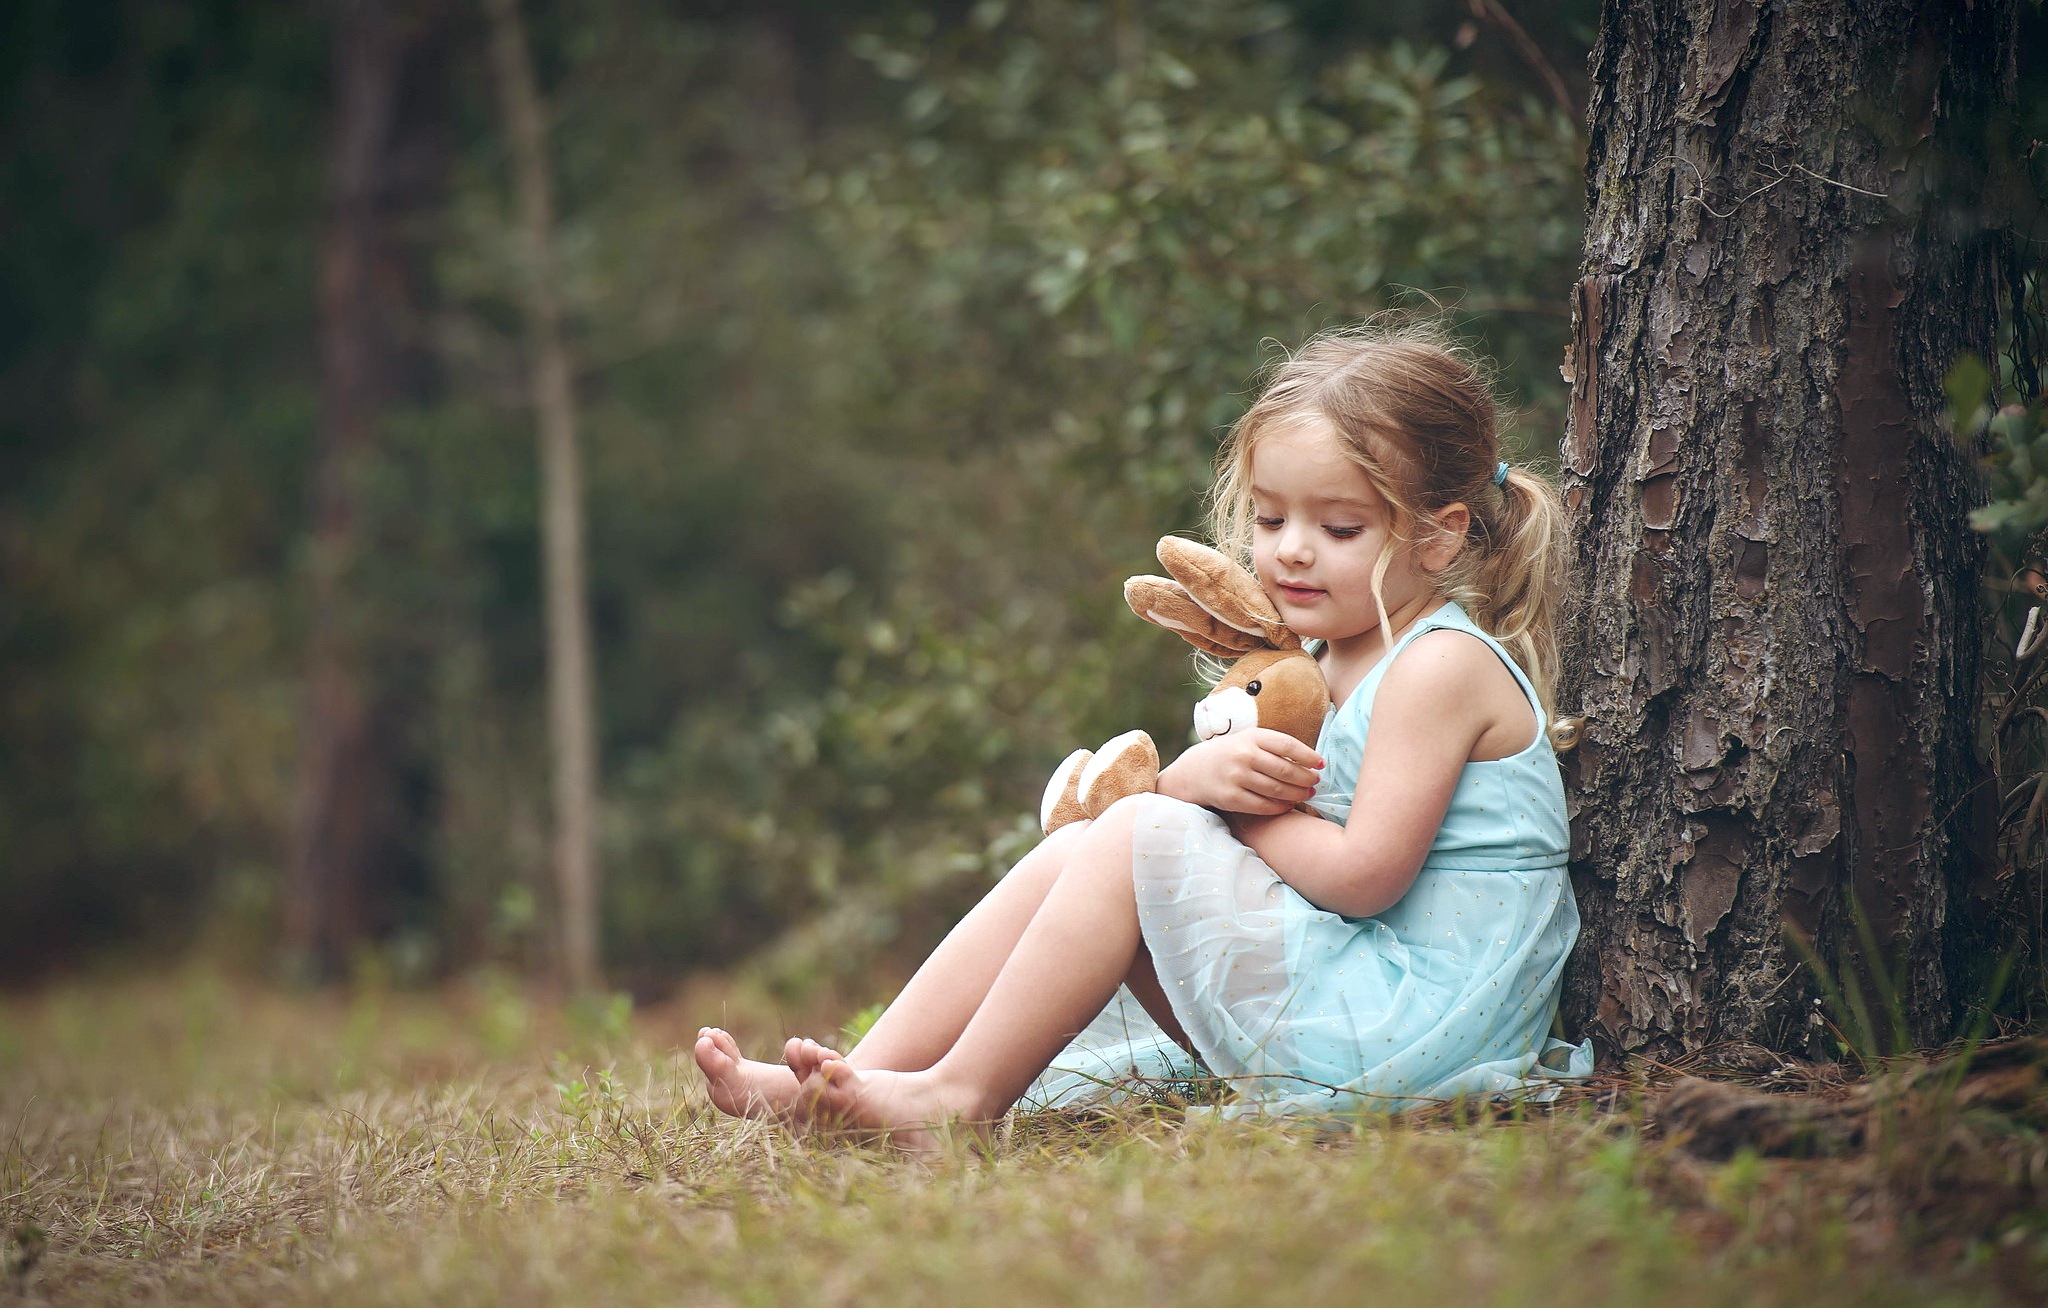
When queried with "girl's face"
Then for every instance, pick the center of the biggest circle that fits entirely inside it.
(1319, 529)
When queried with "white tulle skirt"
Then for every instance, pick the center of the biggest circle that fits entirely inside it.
(1451, 992)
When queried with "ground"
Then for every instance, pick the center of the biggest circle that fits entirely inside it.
(191, 1138)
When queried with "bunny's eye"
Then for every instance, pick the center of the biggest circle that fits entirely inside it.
(1253, 688)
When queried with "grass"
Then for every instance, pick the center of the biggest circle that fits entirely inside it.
(185, 1138)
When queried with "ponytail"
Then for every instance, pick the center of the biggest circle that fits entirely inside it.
(1511, 575)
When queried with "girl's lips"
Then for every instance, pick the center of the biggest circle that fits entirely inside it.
(1300, 594)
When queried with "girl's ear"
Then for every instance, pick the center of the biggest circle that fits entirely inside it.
(1451, 525)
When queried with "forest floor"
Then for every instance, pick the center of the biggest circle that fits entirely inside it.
(183, 1137)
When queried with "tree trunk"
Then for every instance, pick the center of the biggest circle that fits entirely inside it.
(350, 831)
(1778, 636)
(572, 716)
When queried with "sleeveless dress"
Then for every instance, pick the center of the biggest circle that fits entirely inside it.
(1451, 991)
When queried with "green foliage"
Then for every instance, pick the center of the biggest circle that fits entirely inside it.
(1141, 200)
(858, 1026)
(2015, 431)
(896, 351)
(601, 1019)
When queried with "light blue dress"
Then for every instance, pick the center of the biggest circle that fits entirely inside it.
(1452, 991)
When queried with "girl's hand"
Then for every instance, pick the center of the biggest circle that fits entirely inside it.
(1257, 771)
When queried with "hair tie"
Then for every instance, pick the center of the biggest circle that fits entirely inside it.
(1500, 473)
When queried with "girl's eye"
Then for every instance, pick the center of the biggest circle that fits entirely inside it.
(1343, 533)
(1265, 522)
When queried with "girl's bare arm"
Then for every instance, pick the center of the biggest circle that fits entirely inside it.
(1426, 721)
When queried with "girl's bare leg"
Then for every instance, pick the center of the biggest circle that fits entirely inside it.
(1143, 980)
(1075, 948)
(926, 1019)
(923, 1022)
(928, 1016)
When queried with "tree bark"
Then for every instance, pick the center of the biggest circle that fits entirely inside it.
(350, 828)
(1777, 630)
(572, 715)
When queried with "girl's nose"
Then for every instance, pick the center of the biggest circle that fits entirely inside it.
(1294, 546)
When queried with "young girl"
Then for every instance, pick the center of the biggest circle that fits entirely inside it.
(1403, 949)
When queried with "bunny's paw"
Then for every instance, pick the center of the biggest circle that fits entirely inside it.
(1062, 802)
(1127, 765)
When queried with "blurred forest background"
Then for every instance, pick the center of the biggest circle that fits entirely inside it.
(901, 331)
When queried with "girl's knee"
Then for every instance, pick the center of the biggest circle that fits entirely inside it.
(1118, 820)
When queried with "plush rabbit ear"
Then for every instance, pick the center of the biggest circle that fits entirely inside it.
(1227, 592)
(1167, 603)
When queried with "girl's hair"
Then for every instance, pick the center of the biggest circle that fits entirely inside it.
(1416, 412)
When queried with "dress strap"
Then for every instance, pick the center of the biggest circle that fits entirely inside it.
(1451, 616)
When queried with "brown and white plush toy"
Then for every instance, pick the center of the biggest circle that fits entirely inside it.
(1220, 609)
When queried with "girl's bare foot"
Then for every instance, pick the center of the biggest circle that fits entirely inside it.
(909, 1109)
(744, 1087)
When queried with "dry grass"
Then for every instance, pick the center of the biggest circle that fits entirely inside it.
(185, 1139)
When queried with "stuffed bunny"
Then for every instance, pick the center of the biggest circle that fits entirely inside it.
(1220, 609)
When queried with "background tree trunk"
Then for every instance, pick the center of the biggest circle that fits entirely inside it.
(572, 716)
(352, 826)
(1778, 638)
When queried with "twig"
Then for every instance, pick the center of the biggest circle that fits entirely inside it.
(2035, 809)
(1532, 54)
(2028, 680)
(1875, 195)
(2030, 639)
(1699, 195)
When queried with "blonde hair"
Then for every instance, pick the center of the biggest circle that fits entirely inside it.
(1416, 412)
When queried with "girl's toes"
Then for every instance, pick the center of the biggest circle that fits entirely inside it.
(718, 1058)
(803, 1056)
(708, 1054)
(797, 1053)
(837, 1088)
(720, 1073)
(826, 1095)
